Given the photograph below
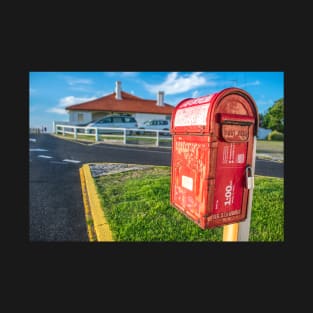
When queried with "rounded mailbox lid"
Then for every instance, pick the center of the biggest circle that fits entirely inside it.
(199, 115)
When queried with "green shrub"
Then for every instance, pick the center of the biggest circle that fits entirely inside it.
(275, 135)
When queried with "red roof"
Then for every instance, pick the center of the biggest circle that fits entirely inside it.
(129, 103)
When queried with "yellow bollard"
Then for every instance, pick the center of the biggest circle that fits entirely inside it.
(230, 232)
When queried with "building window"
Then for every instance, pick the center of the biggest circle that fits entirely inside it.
(80, 117)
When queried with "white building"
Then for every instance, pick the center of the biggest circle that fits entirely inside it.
(120, 102)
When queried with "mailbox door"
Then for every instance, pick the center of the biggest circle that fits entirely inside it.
(233, 157)
(189, 178)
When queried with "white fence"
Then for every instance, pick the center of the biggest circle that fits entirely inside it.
(124, 135)
(35, 130)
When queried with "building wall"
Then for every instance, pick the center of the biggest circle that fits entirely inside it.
(79, 117)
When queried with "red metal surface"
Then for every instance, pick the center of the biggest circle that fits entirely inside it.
(212, 145)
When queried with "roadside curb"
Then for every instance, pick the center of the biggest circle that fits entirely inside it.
(270, 157)
(93, 208)
(88, 218)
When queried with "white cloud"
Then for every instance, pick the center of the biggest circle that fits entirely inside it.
(175, 83)
(81, 88)
(129, 74)
(69, 100)
(195, 94)
(122, 74)
(255, 83)
(72, 81)
(57, 110)
(66, 101)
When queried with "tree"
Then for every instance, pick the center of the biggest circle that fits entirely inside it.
(274, 118)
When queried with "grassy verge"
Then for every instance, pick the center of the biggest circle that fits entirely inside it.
(137, 207)
(265, 146)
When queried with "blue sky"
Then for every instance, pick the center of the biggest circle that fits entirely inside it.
(51, 92)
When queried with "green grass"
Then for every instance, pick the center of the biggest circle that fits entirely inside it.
(85, 137)
(79, 136)
(267, 215)
(267, 146)
(136, 205)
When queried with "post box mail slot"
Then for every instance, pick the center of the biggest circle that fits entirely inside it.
(212, 155)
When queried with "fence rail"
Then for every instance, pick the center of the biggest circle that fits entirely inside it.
(37, 130)
(125, 135)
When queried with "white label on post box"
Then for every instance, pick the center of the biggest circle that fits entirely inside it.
(187, 182)
(194, 115)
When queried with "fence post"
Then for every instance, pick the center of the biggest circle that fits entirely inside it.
(157, 138)
(63, 130)
(96, 134)
(75, 133)
(124, 139)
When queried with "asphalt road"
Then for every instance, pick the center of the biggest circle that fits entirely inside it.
(56, 211)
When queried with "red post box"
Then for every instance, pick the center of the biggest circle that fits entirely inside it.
(212, 154)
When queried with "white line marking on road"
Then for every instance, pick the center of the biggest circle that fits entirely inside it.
(32, 139)
(45, 156)
(72, 161)
(38, 149)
